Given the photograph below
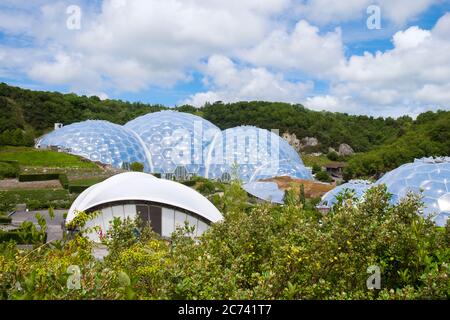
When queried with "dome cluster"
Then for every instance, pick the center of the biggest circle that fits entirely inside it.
(429, 177)
(179, 145)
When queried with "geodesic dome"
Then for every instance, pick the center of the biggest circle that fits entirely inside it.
(175, 139)
(252, 154)
(267, 191)
(98, 140)
(429, 176)
(357, 187)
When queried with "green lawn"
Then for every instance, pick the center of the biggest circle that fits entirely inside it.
(36, 199)
(43, 158)
(321, 161)
(22, 196)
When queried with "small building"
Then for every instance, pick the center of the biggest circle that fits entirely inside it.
(335, 169)
(163, 203)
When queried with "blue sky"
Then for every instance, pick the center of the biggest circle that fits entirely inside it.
(315, 52)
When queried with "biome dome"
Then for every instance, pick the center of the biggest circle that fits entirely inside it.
(357, 187)
(429, 176)
(175, 139)
(99, 140)
(251, 154)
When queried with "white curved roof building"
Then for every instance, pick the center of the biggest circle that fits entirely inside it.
(166, 204)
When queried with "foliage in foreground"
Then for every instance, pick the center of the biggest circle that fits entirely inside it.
(265, 253)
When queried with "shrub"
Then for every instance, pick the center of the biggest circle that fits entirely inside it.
(27, 233)
(5, 220)
(333, 156)
(9, 169)
(260, 252)
(189, 183)
(323, 176)
(45, 204)
(316, 168)
(77, 189)
(137, 166)
(206, 187)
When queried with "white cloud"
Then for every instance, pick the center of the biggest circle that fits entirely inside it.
(413, 75)
(324, 11)
(400, 11)
(231, 83)
(304, 49)
(410, 38)
(334, 12)
(131, 45)
(246, 50)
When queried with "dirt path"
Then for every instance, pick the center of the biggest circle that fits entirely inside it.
(9, 184)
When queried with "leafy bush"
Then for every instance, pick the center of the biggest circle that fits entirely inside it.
(77, 189)
(137, 166)
(189, 183)
(333, 156)
(9, 169)
(323, 176)
(316, 169)
(262, 252)
(43, 204)
(206, 187)
(27, 233)
(5, 220)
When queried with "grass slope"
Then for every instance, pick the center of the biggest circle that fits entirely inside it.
(43, 158)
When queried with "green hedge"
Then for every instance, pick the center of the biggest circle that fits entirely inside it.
(38, 177)
(5, 220)
(189, 183)
(77, 189)
(62, 177)
(64, 180)
(55, 204)
(18, 237)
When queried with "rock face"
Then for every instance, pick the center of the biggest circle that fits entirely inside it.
(293, 140)
(298, 144)
(345, 150)
(310, 142)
